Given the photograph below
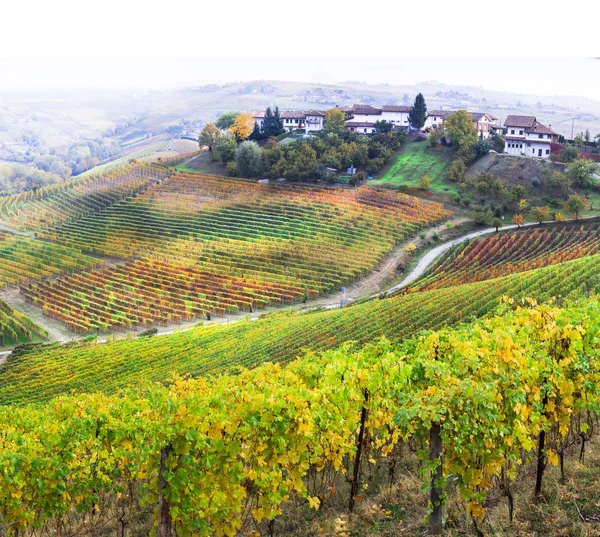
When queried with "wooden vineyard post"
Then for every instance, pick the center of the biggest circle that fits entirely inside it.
(164, 528)
(359, 445)
(435, 456)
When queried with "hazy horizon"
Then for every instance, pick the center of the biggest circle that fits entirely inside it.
(543, 77)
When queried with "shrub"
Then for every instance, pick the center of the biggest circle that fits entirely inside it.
(424, 183)
(248, 159)
(482, 217)
(231, 169)
(457, 171)
(535, 181)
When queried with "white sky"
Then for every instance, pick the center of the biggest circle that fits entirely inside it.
(129, 43)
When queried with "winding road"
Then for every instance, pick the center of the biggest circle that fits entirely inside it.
(424, 263)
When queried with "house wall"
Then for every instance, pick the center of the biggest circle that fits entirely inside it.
(433, 121)
(362, 130)
(397, 118)
(314, 123)
(366, 118)
(528, 148)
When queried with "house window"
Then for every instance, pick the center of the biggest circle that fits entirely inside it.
(521, 133)
(528, 144)
(547, 151)
(512, 131)
(540, 135)
(521, 146)
(365, 130)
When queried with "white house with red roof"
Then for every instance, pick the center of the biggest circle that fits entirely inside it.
(526, 136)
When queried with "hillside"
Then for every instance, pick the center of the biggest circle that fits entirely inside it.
(416, 160)
(282, 337)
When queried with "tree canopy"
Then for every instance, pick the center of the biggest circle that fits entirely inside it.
(226, 120)
(242, 126)
(459, 127)
(335, 121)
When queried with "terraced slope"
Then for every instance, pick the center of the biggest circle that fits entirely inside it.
(39, 375)
(207, 245)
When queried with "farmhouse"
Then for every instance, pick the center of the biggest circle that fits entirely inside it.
(485, 123)
(314, 120)
(526, 136)
(396, 115)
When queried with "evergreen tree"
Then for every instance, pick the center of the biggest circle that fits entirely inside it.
(256, 133)
(277, 122)
(418, 114)
(267, 125)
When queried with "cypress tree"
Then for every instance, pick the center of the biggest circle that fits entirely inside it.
(418, 114)
(277, 123)
(267, 126)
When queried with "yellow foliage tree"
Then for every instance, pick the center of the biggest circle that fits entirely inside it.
(518, 220)
(242, 126)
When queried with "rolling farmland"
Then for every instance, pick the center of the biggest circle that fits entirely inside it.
(207, 245)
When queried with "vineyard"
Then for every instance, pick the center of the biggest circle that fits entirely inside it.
(278, 338)
(23, 260)
(16, 327)
(212, 246)
(478, 406)
(43, 207)
(505, 253)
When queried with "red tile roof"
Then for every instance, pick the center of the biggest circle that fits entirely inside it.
(538, 128)
(365, 110)
(520, 121)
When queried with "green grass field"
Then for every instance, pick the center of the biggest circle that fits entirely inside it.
(415, 161)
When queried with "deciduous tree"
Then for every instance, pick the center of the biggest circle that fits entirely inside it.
(575, 205)
(242, 126)
(335, 121)
(459, 127)
(226, 120)
(210, 137)
(518, 220)
(248, 159)
(541, 214)
(581, 173)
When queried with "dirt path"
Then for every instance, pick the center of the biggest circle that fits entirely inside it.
(378, 281)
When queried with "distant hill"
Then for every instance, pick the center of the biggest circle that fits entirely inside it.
(36, 123)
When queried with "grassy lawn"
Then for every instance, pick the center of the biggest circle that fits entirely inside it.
(415, 161)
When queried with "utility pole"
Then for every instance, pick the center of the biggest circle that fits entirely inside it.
(572, 127)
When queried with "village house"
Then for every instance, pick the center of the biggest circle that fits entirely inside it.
(435, 118)
(315, 120)
(396, 115)
(526, 136)
(311, 120)
(485, 124)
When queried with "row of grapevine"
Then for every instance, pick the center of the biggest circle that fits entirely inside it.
(279, 338)
(63, 202)
(16, 327)
(504, 253)
(219, 456)
(23, 260)
(139, 294)
(245, 245)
